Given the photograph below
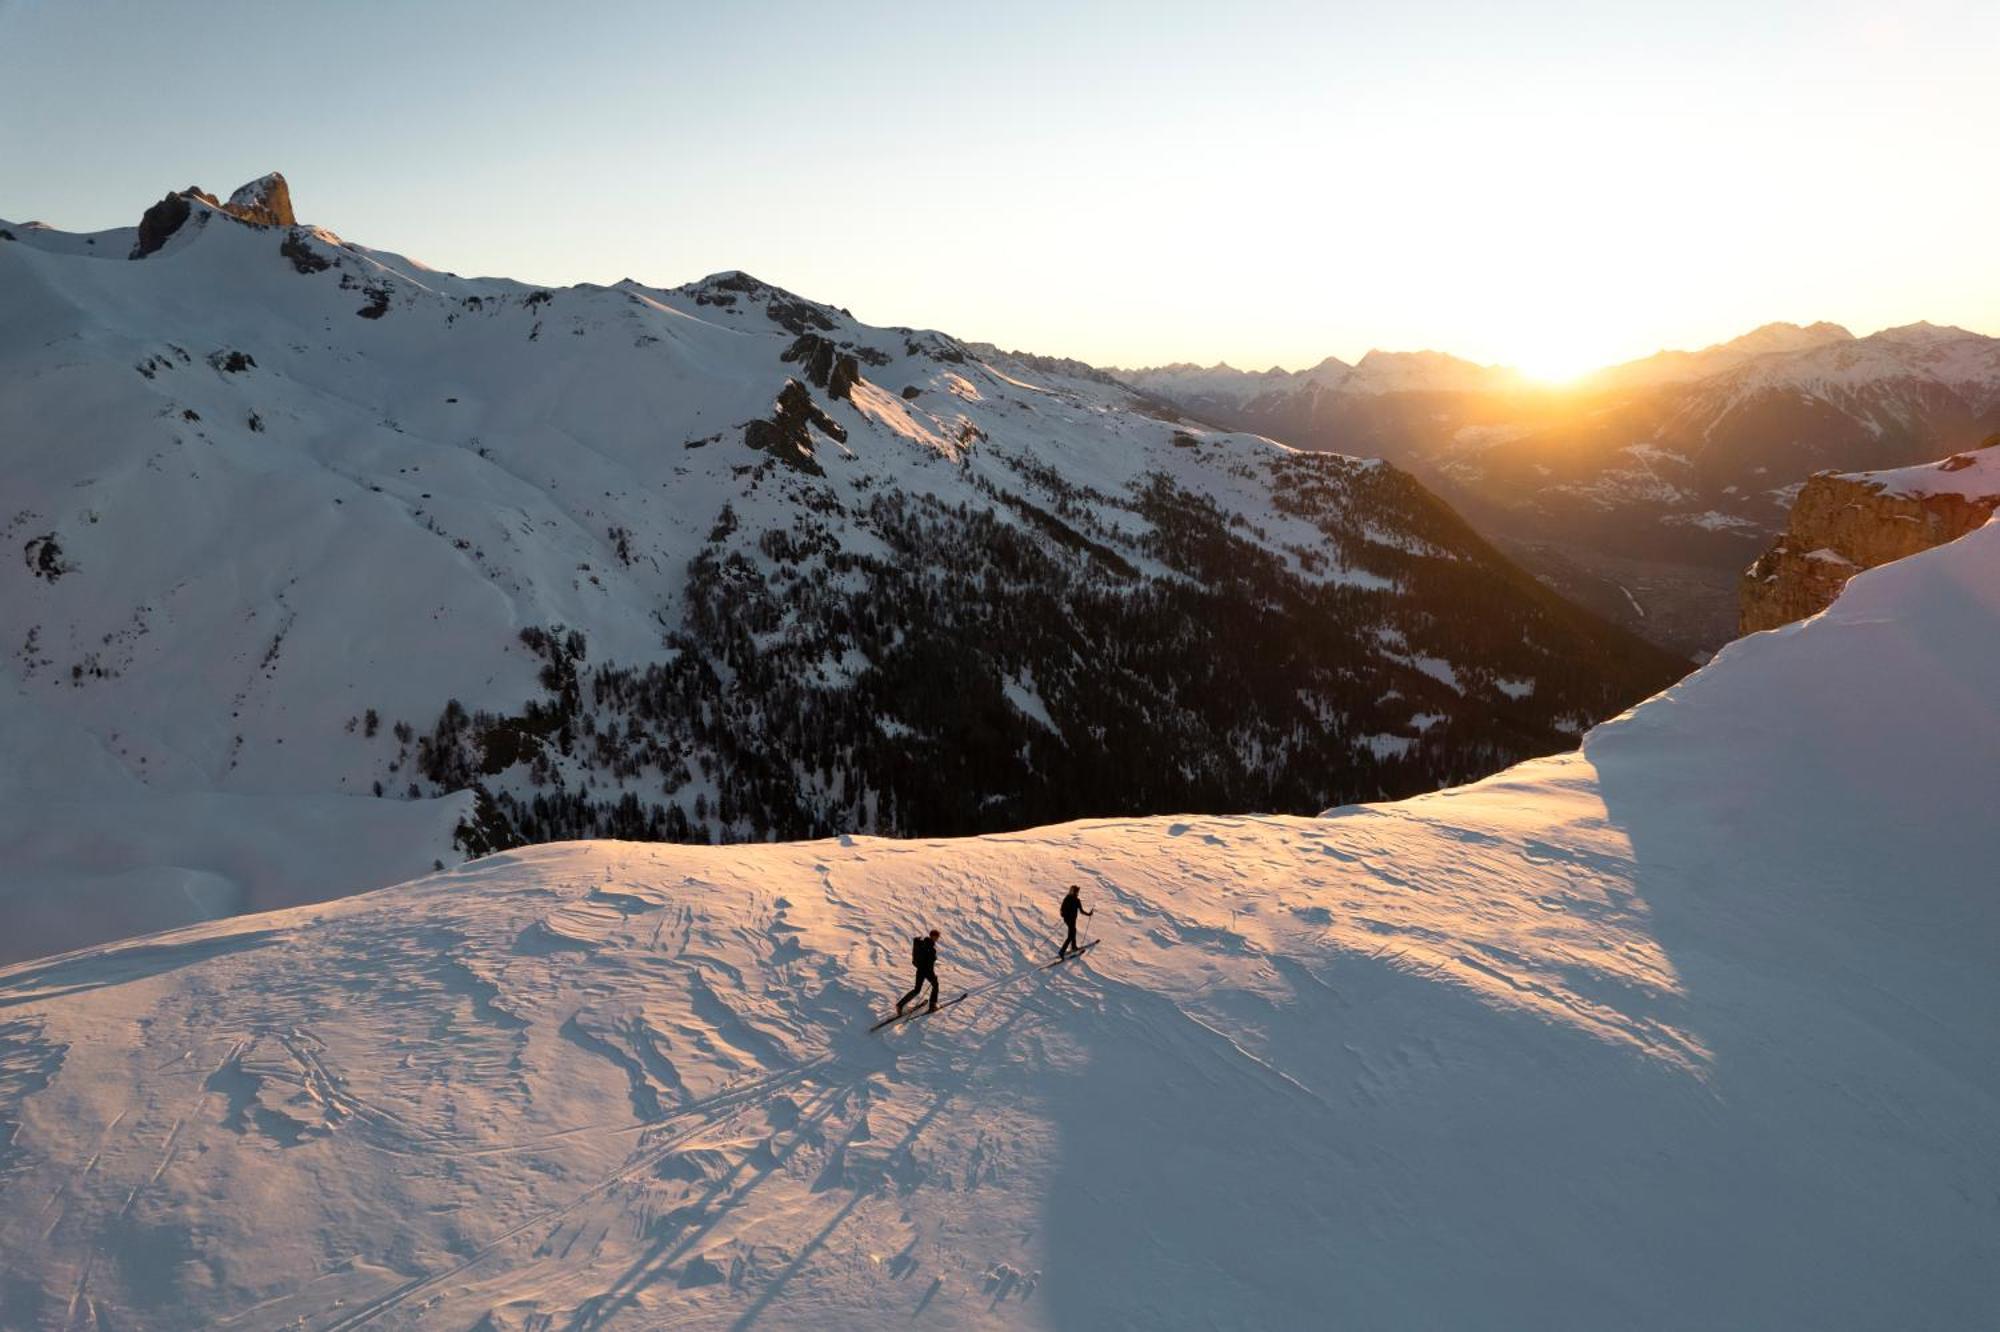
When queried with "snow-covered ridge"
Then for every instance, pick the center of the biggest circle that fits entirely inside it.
(1378, 372)
(1974, 475)
(427, 563)
(1694, 1027)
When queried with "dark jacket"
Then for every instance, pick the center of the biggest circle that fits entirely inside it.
(923, 953)
(1070, 906)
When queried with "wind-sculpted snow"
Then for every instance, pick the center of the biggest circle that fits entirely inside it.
(294, 523)
(1693, 1028)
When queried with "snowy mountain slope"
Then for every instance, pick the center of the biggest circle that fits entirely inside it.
(313, 523)
(1687, 458)
(1695, 1027)
(1676, 366)
(1377, 373)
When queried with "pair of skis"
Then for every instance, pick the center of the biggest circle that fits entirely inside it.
(963, 995)
(918, 1012)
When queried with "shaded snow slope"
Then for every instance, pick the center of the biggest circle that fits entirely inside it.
(1695, 1027)
(280, 508)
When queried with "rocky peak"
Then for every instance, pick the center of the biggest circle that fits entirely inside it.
(265, 202)
(1842, 524)
(735, 291)
(1782, 337)
(1922, 333)
(164, 218)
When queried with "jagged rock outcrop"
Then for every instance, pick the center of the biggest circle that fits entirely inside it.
(164, 218)
(826, 364)
(1843, 523)
(793, 314)
(264, 202)
(787, 436)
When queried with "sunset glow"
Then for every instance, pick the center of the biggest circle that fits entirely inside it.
(1030, 666)
(1550, 185)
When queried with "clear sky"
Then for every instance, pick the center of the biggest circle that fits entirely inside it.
(1553, 185)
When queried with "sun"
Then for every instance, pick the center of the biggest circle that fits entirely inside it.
(1556, 364)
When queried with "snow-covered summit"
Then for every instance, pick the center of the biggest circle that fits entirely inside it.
(1691, 1028)
(265, 201)
(1924, 333)
(1378, 372)
(331, 565)
(1426, 372)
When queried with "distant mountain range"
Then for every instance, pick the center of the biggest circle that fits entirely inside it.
(1684, 461)
(330, 565)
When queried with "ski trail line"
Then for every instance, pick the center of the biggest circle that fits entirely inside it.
(640, 1160)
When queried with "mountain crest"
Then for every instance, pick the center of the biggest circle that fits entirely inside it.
(1922, 333)
(263, 202)
(735, 291)
(1782, 336)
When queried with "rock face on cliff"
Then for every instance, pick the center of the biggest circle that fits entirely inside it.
(164, 218)
(264, 202)
(1843, 523)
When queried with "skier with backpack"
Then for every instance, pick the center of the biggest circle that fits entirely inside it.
(923, 956)
(1072, 904)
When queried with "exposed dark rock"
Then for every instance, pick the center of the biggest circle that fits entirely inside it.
(935, 348)
(792, 313)
(378, 302)
(1843, 524)
(911, 392)
(232, 362)
(846, 374)
(796, 316)
(264, 202)
(787, 436)
(825, 364)
(304, 258)
(814, 353)
(164, 218)
(45, 558)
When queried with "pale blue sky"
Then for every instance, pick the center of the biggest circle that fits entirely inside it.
(1551, 184)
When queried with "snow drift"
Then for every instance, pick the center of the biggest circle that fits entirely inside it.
(1695, 1027)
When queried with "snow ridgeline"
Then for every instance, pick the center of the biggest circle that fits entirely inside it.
(298, 525)
(1696, 1027)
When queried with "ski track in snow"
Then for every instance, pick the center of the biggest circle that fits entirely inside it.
(1692, 1028)
(1695, 1027)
